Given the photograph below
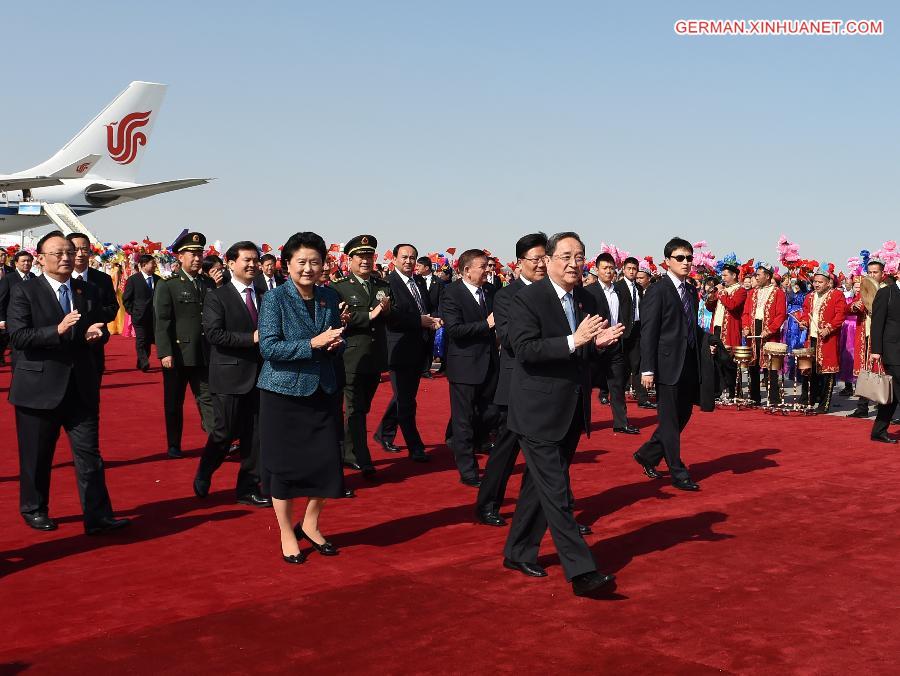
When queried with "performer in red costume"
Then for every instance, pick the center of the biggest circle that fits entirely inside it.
(764, 312)
(726, 302)
(823, 313)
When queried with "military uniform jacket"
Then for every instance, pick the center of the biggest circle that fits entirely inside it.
(178, 307)
(366, 350)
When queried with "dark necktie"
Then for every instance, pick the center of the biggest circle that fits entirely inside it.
(150, 283)
(64, 301)
(271, 283)
(414, 290)
(633, 302)
(481, 303)
(687, 306)
(251, 306)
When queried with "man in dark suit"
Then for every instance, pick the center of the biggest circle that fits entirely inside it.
(180, 343)
(492, 278)
(368, 300)
(885, 336)
(555, 331)
(138, 301)
(269, 277)
(531, 260)
(435, 288)
(230, 321)
(631, 293)
(472, 359)
(53, 322)
(103, 282)
(409, 332)
(670, 359)
(612, 366)
(21, 272)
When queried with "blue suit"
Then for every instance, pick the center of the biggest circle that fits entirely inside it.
(291, 366)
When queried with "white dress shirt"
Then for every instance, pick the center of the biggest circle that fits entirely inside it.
(54, 284)
(612, 299)
(80, 275)
(634, 293)
(474, 291)
(242, 291)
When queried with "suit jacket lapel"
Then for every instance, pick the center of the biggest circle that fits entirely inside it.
(48, 291)
(78, 302)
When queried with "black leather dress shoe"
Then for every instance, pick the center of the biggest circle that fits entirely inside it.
(386, 445)
(39, 521)
(349, 493)
(255, 500)
(491, 519)
(628, 429)
(858, 413)
(649, 469)
(895, 421)
(419, 456)
(174, 453)
(588, 583)
(107, 525)
(352, 465)
(686, 485)
(325, 549)
(472, 481)
(529, 569)
(647, 404)
(883, 438)
(428, 375)
(297, 558)
(201, 488)
(584, 530)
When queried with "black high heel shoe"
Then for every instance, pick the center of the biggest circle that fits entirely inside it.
(326, 549)
(297, 558)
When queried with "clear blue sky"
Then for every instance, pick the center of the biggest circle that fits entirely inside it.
(470, 123)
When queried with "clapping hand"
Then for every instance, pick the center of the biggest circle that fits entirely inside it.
(329, 339)
(68, 322)
(94, 332)
(590, 326)
(608, 334)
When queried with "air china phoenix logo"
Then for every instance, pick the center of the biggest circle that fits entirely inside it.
(123, 137)
(83, 167)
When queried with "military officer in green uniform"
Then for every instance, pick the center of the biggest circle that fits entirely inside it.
(368, 301)
(177, 306)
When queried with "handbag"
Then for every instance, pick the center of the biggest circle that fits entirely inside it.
(875, 385)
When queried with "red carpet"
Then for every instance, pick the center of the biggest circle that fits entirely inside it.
(783, 563)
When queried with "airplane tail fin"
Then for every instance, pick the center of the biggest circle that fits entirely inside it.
(119, 135)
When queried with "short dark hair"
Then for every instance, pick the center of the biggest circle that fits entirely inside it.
(266, 257)
(21, 253)
(49, 235)
(605, 257)
(424, 260)
(303, 240)
(237, 247)
(528, 242)
(72, 236)
(143, 259)
(878, 263)
(469, 255)
(554, 241)
(209, 262)
(631, 260)
(400, 246)
(677, 243)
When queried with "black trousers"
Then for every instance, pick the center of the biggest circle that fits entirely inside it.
(401, 410)
(727, 374)
(175, 383)
(616, 371)
(499, 468)
(38, 431)
(774, 392)
(359, 391)
(885, 412)
(4, 342)
(471, 409)
(546, 501)
(236, 417)
(674, 404)
(143, 339)
(631, 350)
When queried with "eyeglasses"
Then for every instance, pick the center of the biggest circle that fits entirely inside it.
(534, 261)
(681, 258)
(60, 254)
(566, 260)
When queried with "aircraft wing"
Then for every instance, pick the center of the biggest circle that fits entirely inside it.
(8, 183)
(148, 189)
(77, 169)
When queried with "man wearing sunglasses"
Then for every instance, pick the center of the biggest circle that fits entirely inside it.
(670, 360)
